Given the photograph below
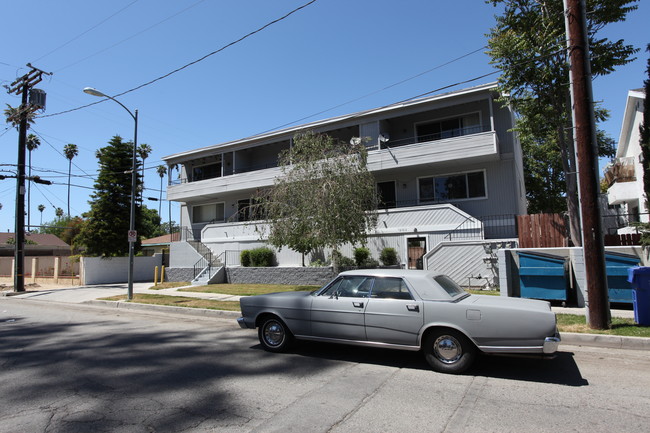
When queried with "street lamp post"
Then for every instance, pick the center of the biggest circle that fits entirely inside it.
(134, 179)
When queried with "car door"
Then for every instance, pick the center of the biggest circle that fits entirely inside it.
(392, 314)
(337, 312)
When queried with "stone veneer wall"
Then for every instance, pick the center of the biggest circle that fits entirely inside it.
(280, 275)
(179, 274)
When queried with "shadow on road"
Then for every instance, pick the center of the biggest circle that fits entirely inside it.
(561, 370)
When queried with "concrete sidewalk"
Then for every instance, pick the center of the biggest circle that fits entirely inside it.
(91, 294)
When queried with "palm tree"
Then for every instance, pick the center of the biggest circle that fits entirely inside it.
(161, 170)
(41, 208)
(70, 151)
(144, 150)
(32, 143)
(14, 114)
(58, 212)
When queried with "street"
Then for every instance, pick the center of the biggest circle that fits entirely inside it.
(80, 368)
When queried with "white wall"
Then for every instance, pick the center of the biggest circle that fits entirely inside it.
(97, 270)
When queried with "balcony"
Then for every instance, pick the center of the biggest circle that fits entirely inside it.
(620, 170)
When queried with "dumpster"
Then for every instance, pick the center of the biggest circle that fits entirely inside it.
(616, 266)
(640, 279)
(543, 276)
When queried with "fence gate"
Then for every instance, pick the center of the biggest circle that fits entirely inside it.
(542, 231)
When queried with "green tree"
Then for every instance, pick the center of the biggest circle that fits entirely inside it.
(144, 150)
(162, 171)
(65, 227)
(528, 46)
(13, 116)
(151, 224)
(32, 142)
(107, 223)
(70, 151)
(326, 196)
(645, 134)
(41, 208)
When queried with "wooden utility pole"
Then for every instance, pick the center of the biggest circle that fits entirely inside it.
(587, 156)
(23, 85)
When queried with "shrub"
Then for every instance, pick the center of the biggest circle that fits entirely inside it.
(262, 257)
(388, 256)
(245, 258)
(361, 255)
(369, 263)
(341, 261)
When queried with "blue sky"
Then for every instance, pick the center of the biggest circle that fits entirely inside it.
(332, 57)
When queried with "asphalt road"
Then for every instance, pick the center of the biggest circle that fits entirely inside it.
(81, 368)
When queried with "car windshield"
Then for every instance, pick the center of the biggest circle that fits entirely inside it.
(449, 285)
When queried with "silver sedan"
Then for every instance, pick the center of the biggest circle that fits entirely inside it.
(407, 310)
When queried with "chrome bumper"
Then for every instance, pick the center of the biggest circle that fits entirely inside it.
(242, 323)
(551, 344)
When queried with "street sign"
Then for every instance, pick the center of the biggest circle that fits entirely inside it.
(133, 235)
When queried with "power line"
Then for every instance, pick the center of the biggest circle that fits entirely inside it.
(90, 29)
(191, 63)
(130, 37)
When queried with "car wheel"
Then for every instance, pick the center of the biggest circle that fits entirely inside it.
(448, 351)
(274, 335)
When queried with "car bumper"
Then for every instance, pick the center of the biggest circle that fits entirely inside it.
(244, 324)
(551, 344)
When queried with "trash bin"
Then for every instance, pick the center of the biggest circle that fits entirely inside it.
(616, 266)
(639, 276)
(543, 276)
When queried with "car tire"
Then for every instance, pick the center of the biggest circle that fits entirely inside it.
(274, 335)
(448, 351)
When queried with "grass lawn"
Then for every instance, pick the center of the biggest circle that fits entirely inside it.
(248, 289)
(620, 326)
(178, 301)
(170, 285)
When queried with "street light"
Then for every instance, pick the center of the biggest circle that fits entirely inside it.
(134, 179)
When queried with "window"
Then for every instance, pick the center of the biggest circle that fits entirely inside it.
(447, 128)
(390, 288)
(386, 193)
(449, 285)
(208, 213)
(243, 210)
(349, 287)
(207, 171)
(452, 187)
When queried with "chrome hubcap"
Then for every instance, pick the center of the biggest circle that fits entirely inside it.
(273, 333)
(447, 349)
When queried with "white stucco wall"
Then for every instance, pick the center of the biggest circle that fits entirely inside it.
(96, 270)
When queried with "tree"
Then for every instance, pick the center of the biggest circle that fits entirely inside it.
(58, 212)
(70, 151)
(645, 134)
(325, 197)
(65, 227)
(162, 171)
(528, 46)
(144, 150)
(107, 223)
(13, 116)
(41, 208)
(32, 142)
(150, 227)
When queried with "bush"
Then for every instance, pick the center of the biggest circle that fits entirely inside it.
(262, 257)
(245, 258)
(341, 261)
(369, 263)
(388, 256)
(361, 255)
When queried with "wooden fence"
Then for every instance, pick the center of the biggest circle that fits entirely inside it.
(542, 231)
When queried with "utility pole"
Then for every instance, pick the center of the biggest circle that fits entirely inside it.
(31, 101)
(587, 155)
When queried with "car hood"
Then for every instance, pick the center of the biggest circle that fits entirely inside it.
(507, 302)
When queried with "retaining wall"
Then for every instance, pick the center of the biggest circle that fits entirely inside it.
(280, 275)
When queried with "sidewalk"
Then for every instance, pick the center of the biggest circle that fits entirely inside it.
(91, 294)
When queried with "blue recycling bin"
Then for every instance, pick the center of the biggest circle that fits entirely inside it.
(639, 276)
(617, 266)
(543, 276)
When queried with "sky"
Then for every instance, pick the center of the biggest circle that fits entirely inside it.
(329, 58)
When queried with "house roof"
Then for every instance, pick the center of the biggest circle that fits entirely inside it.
(41, 239)
(164, 239)
(289, 132)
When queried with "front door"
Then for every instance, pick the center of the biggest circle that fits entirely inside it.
(337, 312)
(416, 248)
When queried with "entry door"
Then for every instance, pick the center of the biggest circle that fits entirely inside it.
(416, 248)
(337, 312)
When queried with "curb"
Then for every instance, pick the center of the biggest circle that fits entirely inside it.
(568, 338)
(607, 341)
(187, 311)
